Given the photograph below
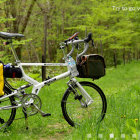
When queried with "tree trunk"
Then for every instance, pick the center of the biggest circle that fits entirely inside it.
(15, 14)
(96, 47)
(137, 52)
(129, 55)
(133, 55)
(63, 23)
(28, 16)
(44, 48)
(124, 56)
(29, 54)
(86, 32)
(36, 54)
(115, 59)
(43, 68)
(101, 46)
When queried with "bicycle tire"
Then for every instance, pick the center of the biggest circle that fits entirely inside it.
(7, 116)
(65, 103)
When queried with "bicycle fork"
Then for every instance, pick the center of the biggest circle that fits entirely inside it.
(88, 100)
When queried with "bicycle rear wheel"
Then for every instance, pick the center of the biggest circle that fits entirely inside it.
(75, 113)
(7, 116)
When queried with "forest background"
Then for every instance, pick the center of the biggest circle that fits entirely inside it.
(46, 23)
(116, 33)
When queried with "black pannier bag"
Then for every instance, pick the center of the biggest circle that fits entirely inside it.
(91, 66)
(12, 72)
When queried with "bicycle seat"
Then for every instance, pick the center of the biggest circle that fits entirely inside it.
(6, 35)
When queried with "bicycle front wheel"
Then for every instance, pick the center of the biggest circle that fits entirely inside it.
(7, 116)
(75, 113)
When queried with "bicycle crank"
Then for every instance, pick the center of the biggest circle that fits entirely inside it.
(40, 111)
(28, 101)
(32, 104)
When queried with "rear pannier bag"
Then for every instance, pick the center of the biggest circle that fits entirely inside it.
(91, 66)
(12, 72)
(1, 79)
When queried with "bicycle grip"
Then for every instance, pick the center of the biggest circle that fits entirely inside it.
(89, 37)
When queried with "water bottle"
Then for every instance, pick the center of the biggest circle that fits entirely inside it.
(72, 67)
(71, 62)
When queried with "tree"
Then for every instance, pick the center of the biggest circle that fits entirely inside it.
(16, 9)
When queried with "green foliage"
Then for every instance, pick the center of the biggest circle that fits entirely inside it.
(21, 42)
(5, 58)
(3, 20)
(114, 24)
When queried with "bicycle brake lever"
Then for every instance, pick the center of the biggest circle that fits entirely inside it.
(77, 45)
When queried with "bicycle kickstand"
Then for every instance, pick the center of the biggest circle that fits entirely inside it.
(26, 120)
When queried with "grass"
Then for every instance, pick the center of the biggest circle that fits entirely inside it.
(122, 90)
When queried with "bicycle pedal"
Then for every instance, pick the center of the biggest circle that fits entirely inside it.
(45, 115)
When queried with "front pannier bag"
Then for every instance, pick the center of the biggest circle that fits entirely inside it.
(12, 72)
(91, 66)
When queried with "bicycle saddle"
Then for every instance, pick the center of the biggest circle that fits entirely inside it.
(6, 35)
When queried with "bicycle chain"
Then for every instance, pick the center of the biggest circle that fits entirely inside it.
(23, 117)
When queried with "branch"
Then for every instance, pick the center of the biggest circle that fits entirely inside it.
(42, 8)
(28, 16)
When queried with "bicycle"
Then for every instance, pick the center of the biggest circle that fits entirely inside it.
(80, 102)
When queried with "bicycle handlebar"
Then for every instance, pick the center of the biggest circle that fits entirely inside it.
(86, 41)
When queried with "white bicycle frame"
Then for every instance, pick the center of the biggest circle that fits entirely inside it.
(37, 86)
